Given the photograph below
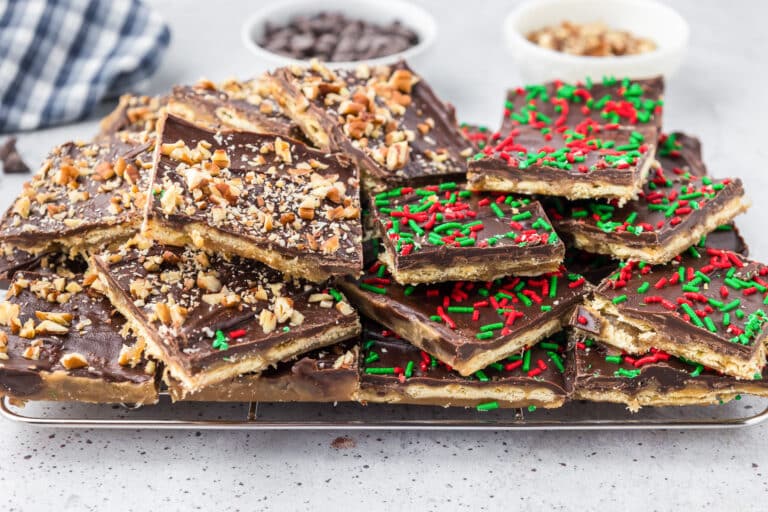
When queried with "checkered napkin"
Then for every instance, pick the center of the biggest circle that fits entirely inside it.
(59, 58)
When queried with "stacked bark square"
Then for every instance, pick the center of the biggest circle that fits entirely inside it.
(211, 242)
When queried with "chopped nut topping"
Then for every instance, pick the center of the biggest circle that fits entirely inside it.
(267, 321)
(73, 361)
(59, 318)
(51, 327)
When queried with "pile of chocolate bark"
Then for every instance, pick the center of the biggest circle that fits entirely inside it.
(325, 235)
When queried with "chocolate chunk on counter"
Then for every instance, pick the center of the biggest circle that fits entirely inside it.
(707, 309)
(258, 196)
(62, 340)
(447, 233)
(387, 118)
(11, 159)
(210, 319)
(394, 371)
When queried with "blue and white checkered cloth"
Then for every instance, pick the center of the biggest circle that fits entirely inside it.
(60, 58)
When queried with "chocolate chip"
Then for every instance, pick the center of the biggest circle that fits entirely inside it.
(11, 159)
(332, 37)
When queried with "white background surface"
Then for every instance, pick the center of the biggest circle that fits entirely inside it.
(719, 94)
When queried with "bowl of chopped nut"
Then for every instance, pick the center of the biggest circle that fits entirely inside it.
(574, 39)
(342, 33)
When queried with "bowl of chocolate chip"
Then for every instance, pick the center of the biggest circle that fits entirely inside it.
(343, 33)
(571, 39)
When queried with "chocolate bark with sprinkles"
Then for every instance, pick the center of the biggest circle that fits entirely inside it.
(447, 233)
(610, 102)
(708, 309)
(328, 374)
(591, 161)
(232, 104)
(600, 373)
(469, 324)
(210, 319)
(257, 196)
(671, 214)
(84, 195)
(478, 135)
(386, 117)
(394, 371)
(60, 339)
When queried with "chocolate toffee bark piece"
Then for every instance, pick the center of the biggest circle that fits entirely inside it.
(601, 373)
(584, 163)
(85, 195)
(726, 237)
(671, 214)
(209, 319)
(466, 324)
(387, 118)
(232, 104)
(708, 309)
(446, 233)
(625, 103)
(328, 374)
(478, 135)
(258, 196)
(133, 115)
(394, 371)
(61, 340)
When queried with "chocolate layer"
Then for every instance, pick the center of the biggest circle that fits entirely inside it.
(447, 230)
(387, 118)
(61, 340)
(209, 318)
(258, 196)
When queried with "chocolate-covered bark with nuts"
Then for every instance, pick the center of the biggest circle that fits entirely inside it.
(85, 195)
(387, 118)
(600, 373)
(232, 105)
(446, 233)
(467, 324)
(210, 319)
(132, 115)
(671, 214)
(258, 196)
(707, 309)
(61, 340)
(328, 374)
(394, 371)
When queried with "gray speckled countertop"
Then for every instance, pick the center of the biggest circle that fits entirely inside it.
(719, 94)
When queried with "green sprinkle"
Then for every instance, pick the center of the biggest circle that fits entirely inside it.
(710, 324)
(409, 290)
(380, 371)
(372, 358)
(497, 210)
(481, 376)
(522, 216)
(643, 287)
(619, 299)
(553, 287)
(630, 374)
(409, 370)
(484, 335)
(531, 408)
(461, 309)
(371, 288)
(336, 295)
(613, 359)
(491, 327)
(488, 406)
(527, 361)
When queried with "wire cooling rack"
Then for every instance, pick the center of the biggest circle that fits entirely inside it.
(352, 416)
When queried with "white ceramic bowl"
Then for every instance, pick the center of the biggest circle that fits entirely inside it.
(646, 18)
(376, 11)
